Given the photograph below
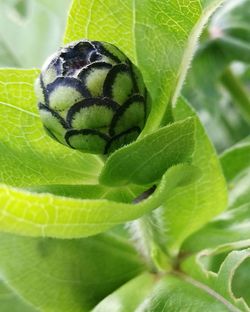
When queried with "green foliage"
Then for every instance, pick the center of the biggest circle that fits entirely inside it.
(188, 208)
(50, 215)
(9, 301)
(229, 227)
(145, 161)
(69, 220)
(218, 284)
(66, 275)
(170, 293)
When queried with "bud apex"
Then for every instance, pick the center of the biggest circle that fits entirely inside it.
(91, 97)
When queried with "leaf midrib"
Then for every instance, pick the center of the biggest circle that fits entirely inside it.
(19, 108)
(207, 290)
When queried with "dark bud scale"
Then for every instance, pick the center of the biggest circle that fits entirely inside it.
(91, 97)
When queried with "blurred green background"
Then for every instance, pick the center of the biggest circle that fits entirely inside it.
(30, 30)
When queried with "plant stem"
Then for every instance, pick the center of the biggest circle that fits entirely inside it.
(147, 239)
(237, 92)
(144, 195)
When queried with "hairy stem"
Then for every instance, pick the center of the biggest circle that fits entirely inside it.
(146, 237)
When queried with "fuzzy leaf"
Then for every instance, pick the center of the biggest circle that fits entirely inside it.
(46, 214)
(233, 225)
(145, 161)
(220, 283)
(169, 293)
(66, 275)
(121, 194)
(230, 227)
(188, 208)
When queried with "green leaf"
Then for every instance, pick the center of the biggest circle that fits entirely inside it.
(27, 155)
(182, 294)
(121, 194)
(66, 275)
(221, 282)
(225, 276)
(230, 227)
(9, 301)
(236, 160)
(233, 225)
(241, 281)
(39, 25)
(173, 292)
(236, 166)
(145, 161)
(45, 214)
(160, 37)
(188, 208)
(129, 296)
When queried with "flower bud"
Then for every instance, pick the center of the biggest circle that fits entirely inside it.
(91, 97)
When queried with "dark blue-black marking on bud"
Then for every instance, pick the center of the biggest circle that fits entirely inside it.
(91, 97)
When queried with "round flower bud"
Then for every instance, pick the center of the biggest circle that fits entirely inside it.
(91, 97)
